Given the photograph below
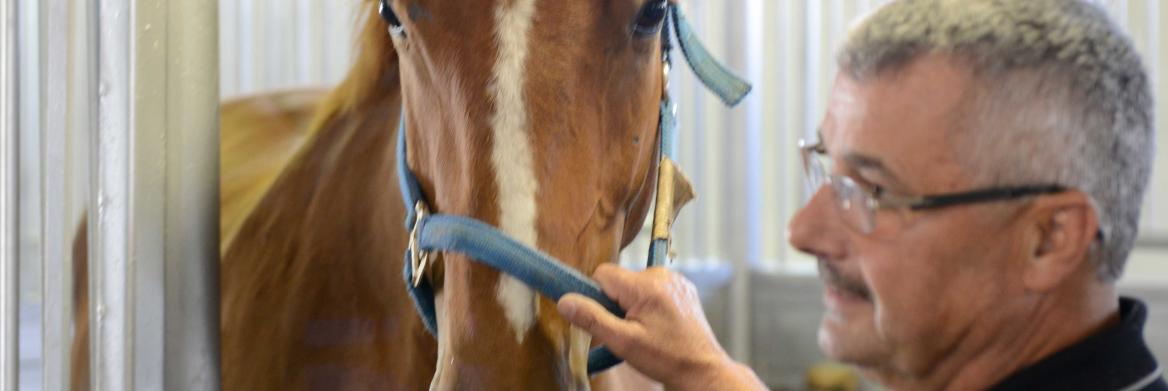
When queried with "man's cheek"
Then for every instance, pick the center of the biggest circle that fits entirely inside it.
(893, 313)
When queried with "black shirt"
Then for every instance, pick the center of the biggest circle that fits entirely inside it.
(1113, 359)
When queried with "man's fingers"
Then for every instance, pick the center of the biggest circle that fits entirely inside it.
(593, 318)
(618, 283)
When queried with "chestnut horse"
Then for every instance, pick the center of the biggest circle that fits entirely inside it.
(537, 118)
(540, 120)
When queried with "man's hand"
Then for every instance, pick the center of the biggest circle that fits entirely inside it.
(665, 334)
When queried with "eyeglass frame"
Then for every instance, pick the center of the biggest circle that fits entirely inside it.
(875, 200)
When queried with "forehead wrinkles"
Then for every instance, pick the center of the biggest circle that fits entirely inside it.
(910, 120)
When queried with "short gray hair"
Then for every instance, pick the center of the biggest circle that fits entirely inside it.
(1061, 97)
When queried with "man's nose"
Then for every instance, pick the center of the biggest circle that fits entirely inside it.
(817, 229)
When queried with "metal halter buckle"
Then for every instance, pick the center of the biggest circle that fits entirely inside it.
(418, 258)
(665, 67)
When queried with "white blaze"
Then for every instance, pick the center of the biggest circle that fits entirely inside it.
(511, 155)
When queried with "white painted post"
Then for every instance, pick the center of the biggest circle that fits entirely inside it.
(9, 240)
(65, 115)
(154, 214)
(109, 214)
(192, 196)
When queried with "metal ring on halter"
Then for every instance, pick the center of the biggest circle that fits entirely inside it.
(418, 257)
(665, 78)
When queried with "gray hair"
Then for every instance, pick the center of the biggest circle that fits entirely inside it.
(1061, 97)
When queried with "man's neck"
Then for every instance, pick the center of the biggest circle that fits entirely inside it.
(1052, 322)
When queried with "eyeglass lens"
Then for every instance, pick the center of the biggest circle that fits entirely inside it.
(850, 199)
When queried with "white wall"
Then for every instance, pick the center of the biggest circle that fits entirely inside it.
(277, 44)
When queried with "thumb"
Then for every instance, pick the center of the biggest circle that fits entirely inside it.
(590, 316)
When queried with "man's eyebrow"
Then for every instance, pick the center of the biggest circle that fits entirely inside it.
(860, 161)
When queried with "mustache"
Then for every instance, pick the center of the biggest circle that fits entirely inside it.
(833, 277)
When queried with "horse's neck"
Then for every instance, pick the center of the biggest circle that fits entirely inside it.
(312, 282)
(258, 136)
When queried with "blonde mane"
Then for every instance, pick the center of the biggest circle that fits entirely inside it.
(372, 75)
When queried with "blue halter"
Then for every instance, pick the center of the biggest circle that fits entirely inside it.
(550, 277)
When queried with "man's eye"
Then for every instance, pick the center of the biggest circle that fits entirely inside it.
(867, 184)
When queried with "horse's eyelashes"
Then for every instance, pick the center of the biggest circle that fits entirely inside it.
(650, 18)
(395, 24)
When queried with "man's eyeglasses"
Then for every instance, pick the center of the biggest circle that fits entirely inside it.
(858, 205)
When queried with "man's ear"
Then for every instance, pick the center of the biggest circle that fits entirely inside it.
(1065, 225)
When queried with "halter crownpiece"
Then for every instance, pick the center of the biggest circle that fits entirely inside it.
(486, 244)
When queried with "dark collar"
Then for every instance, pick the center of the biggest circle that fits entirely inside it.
(1113, 359)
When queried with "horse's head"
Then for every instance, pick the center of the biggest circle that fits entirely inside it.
(540, 118)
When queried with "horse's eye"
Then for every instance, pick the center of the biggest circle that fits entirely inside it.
(650, 18)
(395, 24)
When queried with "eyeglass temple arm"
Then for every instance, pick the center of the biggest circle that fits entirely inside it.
(995, 194)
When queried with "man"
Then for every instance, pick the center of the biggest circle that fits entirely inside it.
(979, 177)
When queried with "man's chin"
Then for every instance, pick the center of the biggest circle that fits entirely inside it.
(849, 340)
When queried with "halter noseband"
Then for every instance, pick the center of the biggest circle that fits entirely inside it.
(550, 277)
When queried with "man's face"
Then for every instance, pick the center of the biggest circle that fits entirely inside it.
(921, 285)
